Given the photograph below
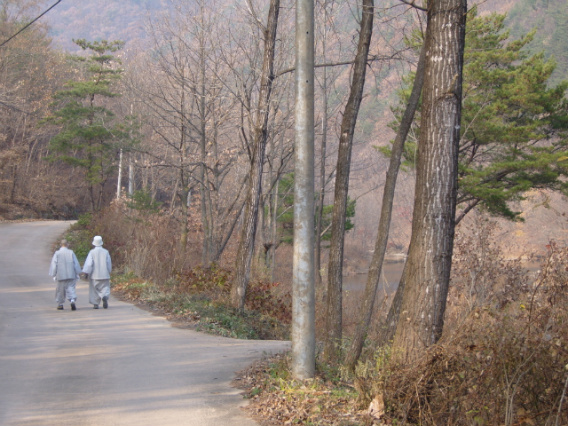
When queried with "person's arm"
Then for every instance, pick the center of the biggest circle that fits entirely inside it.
(109, 263)
(53, 266)
(88, 266)
(76, 264)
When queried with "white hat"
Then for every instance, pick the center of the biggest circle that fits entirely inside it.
(98, 241)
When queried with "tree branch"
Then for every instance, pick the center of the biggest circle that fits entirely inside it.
(341, 63)
(412, 3)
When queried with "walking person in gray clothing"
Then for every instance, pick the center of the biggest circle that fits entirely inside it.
(97, 268)
(65, 269)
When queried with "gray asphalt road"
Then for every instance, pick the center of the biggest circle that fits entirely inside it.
(118, 366)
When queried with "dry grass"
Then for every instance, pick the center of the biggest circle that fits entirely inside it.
(275, 399)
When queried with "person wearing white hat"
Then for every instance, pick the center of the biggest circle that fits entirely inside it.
(97, 268)
(65, 270)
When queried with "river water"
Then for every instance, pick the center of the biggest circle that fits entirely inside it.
(391, 273)
(390, 277)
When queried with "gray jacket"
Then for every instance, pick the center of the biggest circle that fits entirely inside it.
(64, 265)
(98, 264)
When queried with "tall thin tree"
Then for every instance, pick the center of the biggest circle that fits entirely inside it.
(334, 299)
(254, 190)
(375, 268)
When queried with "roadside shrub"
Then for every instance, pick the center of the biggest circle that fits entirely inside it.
(503, 357)
(264, 297)
(146, 249)
(144, 242)
(213, 281)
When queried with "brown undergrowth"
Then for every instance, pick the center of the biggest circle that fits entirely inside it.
(199, 298)
(159, 275)
(502, 360)
(503, 357)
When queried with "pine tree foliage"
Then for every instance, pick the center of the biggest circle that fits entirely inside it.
(90, 135)
(285, 213)
(514, 131)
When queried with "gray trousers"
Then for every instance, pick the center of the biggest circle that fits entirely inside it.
(65, 289)
(97, 290)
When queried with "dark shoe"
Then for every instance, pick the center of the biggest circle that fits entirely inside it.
(60, 308)
(73, 307)
(95, 306)
(105, 302)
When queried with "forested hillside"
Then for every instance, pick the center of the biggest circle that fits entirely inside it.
(132, 21)
(550, 18)
(137, 23)
(100, 19)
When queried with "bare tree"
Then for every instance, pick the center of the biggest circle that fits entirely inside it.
(194, 121)
(30, 71)
(375, 268)
(257, 151)
(334, 300)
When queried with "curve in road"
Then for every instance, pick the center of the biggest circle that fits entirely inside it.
(120, 366)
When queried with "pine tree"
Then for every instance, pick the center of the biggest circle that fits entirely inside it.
(90, 135)
(514, 130)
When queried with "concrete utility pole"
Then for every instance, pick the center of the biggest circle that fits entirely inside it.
(303, 303)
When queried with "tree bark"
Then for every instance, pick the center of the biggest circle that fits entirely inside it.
(250, 219)
(334, 297)
(427, 271)
(376, 265)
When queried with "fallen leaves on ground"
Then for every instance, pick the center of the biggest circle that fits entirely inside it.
(276, 401)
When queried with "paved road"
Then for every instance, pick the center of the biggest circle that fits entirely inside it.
(120, 366)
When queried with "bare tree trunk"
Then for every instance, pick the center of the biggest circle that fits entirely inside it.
(184, 231)
(130, 175)
(323, 153)
(427, 270)
(334, 297)
(14, 183)
(274, 231)
(184, 228)
(303, 291)
(375, 268)
(205, 213)
(250, 219)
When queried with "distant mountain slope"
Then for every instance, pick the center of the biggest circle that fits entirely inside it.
(124, 19)
(99, 19)
(550, 18)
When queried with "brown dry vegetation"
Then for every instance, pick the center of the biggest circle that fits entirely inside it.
(502, 360)
(159, 275)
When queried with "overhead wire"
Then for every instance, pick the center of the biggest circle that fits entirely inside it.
(29, 24)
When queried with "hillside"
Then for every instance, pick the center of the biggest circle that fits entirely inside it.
(125, 19)
(100, 19)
